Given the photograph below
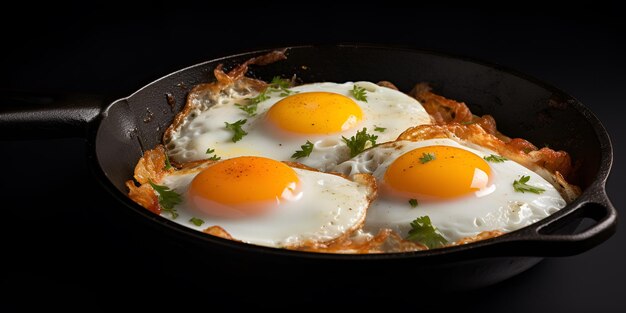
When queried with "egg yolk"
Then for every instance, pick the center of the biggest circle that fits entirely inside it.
(243, 186)
(437, 172)
(315, 113)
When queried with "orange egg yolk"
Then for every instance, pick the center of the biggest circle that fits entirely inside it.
(315, 113)
(243, 186)
(437, 172)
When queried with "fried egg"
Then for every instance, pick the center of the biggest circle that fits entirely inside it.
(319, 113)
(266, 202)
(454, 184)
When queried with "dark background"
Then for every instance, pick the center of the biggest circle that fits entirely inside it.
(64, 240)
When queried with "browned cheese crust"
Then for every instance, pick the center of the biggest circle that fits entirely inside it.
(219, 232)
(151, 167)
(444, 111)
(481, 236)
(384, 241)
(384, 83)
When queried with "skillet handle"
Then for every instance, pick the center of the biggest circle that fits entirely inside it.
(553, 239)
(25, 115)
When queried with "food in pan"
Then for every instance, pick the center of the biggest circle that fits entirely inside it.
(463, 188)
(283, 119)
(344, 167)
(258, 200)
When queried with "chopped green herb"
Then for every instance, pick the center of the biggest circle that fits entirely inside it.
(423, 231)
(468, 123)
(495, 158)
(527, 150)
(262, 96)
(279, 83)
(307, 148)
(214, 157)
(359, 93)
(276, 85)
(168, 165)
(379, 129)
(167, 198)
(357, 143)
(413, 203)
(196, 221)
(249, 108)
(427, 157)
(521, 186)
(236, 128)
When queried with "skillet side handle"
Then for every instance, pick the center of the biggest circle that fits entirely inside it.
(546, 240)
(26, 115)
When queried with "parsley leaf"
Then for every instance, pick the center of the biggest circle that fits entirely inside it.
(413, 203)
(307, 148)
(357, 143)
(249, 108)
(236, 127)
(379, 129)
(167, 198)
(427, 157)
(214, 157)
(359, 93)
(521, 186)
(279, 83)
(424, 232)
(196, 221)
(495, 158)
(262, 96)
(168, 165)
(276, 85)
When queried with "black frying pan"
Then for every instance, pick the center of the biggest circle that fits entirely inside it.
(120, 130)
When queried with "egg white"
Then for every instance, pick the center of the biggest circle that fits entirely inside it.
(385, 108)
(499, 207)
(330, 207)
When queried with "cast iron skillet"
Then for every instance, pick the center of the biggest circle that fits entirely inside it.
(117, 132)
